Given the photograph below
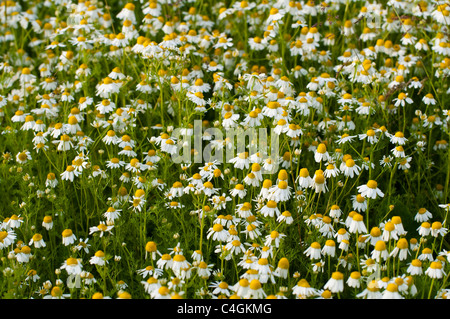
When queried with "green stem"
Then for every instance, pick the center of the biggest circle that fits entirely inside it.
(431, 289)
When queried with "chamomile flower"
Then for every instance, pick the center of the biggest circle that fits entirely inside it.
(329, 249)
(72, 265)
(380, 251)
(401, 249)
(314, 251)
(357, 224)
(217, 232)
(321, 153)
(424, 229)
(435, 270)
(252, 231)
(151, 284)
(354, 280)
(286, 217)
(427, 254)
(438, 230)
(429, 99)
(274, 239)
(223, 42)
(241, 161)
(23, 157)
(374, 236)
(359, 203)
(370, 190)
(255, 290)
(336, 283)
(47, 222)
(37, 240)
(303, 289)
(270, 209)
(415, 267)
(112, 214)
(127, 13)
(389, 231)
(391, 292)
(398, 138)
(331, 171)
(280, 192)
(65, 143)
(70, 173)
(371, 292)
(341, 235)
(351, 169)
(101, 228)
(253, 118)
(7, 237)
(107, 87)
(238, 190)
(99, 259)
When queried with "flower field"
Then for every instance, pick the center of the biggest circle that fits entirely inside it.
(224, 149)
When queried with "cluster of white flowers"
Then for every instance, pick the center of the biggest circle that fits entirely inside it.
(90, 99)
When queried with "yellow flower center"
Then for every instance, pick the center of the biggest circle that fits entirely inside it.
(372, 184)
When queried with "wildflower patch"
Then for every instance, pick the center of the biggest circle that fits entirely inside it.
(265, 149)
